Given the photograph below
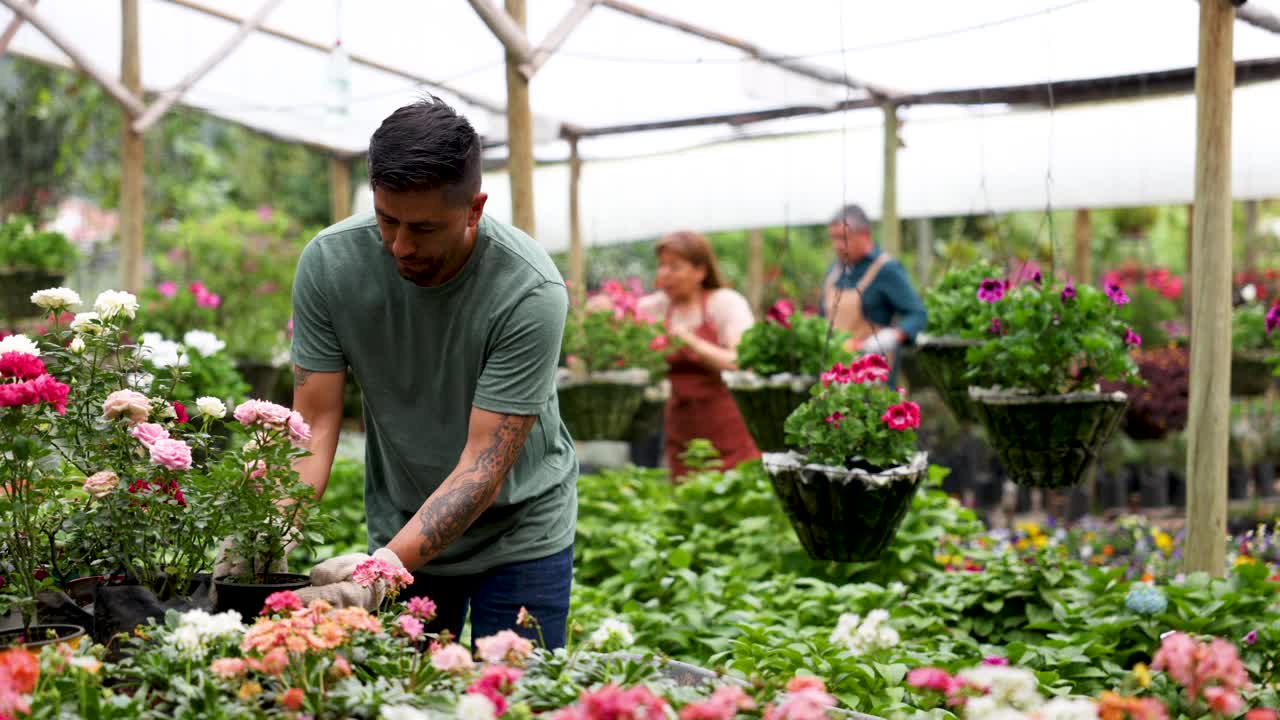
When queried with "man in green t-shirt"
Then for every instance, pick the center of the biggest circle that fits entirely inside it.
(451, 322)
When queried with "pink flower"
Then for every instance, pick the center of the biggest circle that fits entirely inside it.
(1132, 338)
(805, 704)
(506, 646)
(723, 704)
(930, 678)
(1224, 701)
(996, 327)
(495, 683)
(838, 374)
(274, 662)
(227, 668)
(1251, 637)
(281, 601)
(781, 313)
(341, 668)
(834, 418)
(614, 703)
(261, 412)
(180, 412)
(168, 288)
(991, 290)
(1273, 318)
(173, 454)
(870, 368)
(1177, 657)
(806, 682)
(452, 658)
(1261, 714)
(129, 404)
(659, 343)
(995, 660)
(293, 698)
(372, 570)
(902, 417)
(100, 484)
(299, 430)
(1068, 292)
(257, 470)
(148, 433)
(422, 608)
(411, 626)
(21, 366)
(1117, 294)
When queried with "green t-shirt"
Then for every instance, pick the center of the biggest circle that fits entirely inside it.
(488, 338)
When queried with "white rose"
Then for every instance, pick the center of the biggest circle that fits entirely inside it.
(111, 303)
(19, 344)
(55, 299)
(203, 342)
(76, 346)
(88, 323)
(211, 407)
(473, 706)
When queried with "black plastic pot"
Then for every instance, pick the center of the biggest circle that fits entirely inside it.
(248, 598)
(765, 410)
(1048, 440)
(600, 410)
(1153, 485)
(43, 634)
(16, 288)
(942, 360)
(844, 515)
(1177, 488)
(121, 607)
(1264, 478)
(1250, 372)
(647, 420)
(1237, 482)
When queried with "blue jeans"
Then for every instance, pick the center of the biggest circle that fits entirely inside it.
(495, 597)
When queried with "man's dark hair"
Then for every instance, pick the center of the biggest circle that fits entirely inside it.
(853, 216)
(424, 146)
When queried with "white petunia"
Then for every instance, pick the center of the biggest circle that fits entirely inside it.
(614, 633)
(76, 346)
(88, 323)
(55, 299)
(203, 342)
(111, 303)
(403, 712)
(1069, 709)
(211, 407)
(473, 706)
(19, 344)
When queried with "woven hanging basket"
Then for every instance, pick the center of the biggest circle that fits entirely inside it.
(602, 406)
(942, 360)
(765, 403)
(1251, 372)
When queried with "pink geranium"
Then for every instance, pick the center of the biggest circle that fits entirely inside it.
(168, 289)
(931, 678)
(806, 699)
(422, 608)
(411, 626)
(374, 570)
(495, 683)
(724, 704)
(282, 601)
(781, 313)
(452, 658)
(902, 417)
(504, 647)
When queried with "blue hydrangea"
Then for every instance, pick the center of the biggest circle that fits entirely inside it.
(1145, 599)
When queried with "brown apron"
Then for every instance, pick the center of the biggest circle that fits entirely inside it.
(701, 406)
(844, 307)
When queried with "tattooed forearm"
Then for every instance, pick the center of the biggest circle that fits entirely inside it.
(472, 487)
(300, 375)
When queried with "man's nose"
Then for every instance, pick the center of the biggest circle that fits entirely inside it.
(400, 245)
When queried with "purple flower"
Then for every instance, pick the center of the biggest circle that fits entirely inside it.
(1251, 637)
(1117, 294)
(1132, 338)
(991, 290)
(997, 327)
(1273, 318)
(1069, 292)
(1037, 278)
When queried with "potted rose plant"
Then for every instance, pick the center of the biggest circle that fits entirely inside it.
(1046, 347)
(778, 361)
(1253, 345)
(854, 466)
(953, 310)
(612, 354)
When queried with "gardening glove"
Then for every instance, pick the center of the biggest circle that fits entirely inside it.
(331, 581)
(885, 341)
(227, 562)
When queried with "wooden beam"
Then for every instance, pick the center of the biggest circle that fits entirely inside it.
(519, 132)
(924, 250)
(890, 228)
(1259, 17)
(130, 101)
(755, 270)
(509, 30)
(11, 30)
(559, 34)
(356, 58)
(339, 188)
(796, 66)
(577, 253)
(1209, 413)
(1081, 270)
(171, 96)
(132, 168)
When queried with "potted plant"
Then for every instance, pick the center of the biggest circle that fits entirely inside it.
(854, 466)
(612, 354)
(30, 260)
(1253, 344)
(778, 361)
(953, 310)
(1159, 406)
(1046, 347)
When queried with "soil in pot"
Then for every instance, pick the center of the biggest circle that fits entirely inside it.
(38, 636)
(248, 598)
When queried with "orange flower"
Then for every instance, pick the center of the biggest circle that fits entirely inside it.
(292, 698)
(20, 668)
(1108, 550)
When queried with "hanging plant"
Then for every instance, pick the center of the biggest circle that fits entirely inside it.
(1253, 347)
(953, 311)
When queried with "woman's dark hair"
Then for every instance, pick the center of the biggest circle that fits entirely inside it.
(424, 146)
(695, 250)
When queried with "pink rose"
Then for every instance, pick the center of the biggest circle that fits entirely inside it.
(452, 658)
(173, 454)
(129, 404)
(100, 484)
(299, 430)
(261, 412)
(148, 433)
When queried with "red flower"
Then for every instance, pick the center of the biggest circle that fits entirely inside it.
(902, 417)
(181, 411)
(21, 366)
(834, 418)
(659, 343)
(292, 698)
(781, 312)
(148, 487)
(870, 368)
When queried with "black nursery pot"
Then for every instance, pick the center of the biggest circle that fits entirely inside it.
(942, 361)
(120, 606)
(765, 407)
(1250, 373)
(248, 598)
(38, 636)
(1048, 441)
(844, 515)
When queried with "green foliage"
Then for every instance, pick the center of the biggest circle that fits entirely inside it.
(1249, 327)
(844, 421)
(1151, 313)
(953, 305)
(799, 346)
(612, 340)
(1052, 344)
(23, 247)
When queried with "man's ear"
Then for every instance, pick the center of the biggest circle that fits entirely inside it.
(477, 208)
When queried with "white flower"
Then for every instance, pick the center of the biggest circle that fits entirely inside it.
(473, 706)
(860, 636)
(211, 407)
(111, 303)
(203, 342)
(613, 632)
(197, 629)
(1248, 293)
(88, 323)
(140, 381)
(161, 352)
(403, 712)
(76, 346)
(986, 708)
(1069, 709)
(19, 344)
(58, 298)
(897, 588)
(1006, 686)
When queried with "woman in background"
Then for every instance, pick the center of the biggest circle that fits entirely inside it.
(708, 319)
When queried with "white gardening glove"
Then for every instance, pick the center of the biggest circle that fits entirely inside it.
(227, 562)
(331, 581)
(883, 342)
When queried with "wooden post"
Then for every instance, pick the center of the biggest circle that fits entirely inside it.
(1251, 235)
(519, 133)
(339, 188)
(131, 152)
(1081, 270)
(1188, 286)
(924, 250)
(1210, 403)
(890, 232)
(755, 271)
(14, 25)
(577, 253)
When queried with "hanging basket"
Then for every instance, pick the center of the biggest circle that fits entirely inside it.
(765, 403)
(603, 405)
(1251, 372)
(844, 515)
(16, 288)
(909, 364)
(648, 418)
(942, 360)
(1048, 441)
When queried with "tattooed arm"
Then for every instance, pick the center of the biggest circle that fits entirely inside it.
(494, 442)
(318, 397)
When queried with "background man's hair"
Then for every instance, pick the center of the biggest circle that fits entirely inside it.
(424, 146)
(853, 216)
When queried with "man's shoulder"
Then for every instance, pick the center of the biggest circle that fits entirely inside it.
(347, 235)
(518, 253)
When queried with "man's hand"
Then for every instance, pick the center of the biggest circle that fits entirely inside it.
(332, 581)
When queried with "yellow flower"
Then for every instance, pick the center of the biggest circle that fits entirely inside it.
(1142, 675)
(1164, 541)
(1029, 528)
(1040, 541)
(1021, 544)
(1245, 560)
(250, 690)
